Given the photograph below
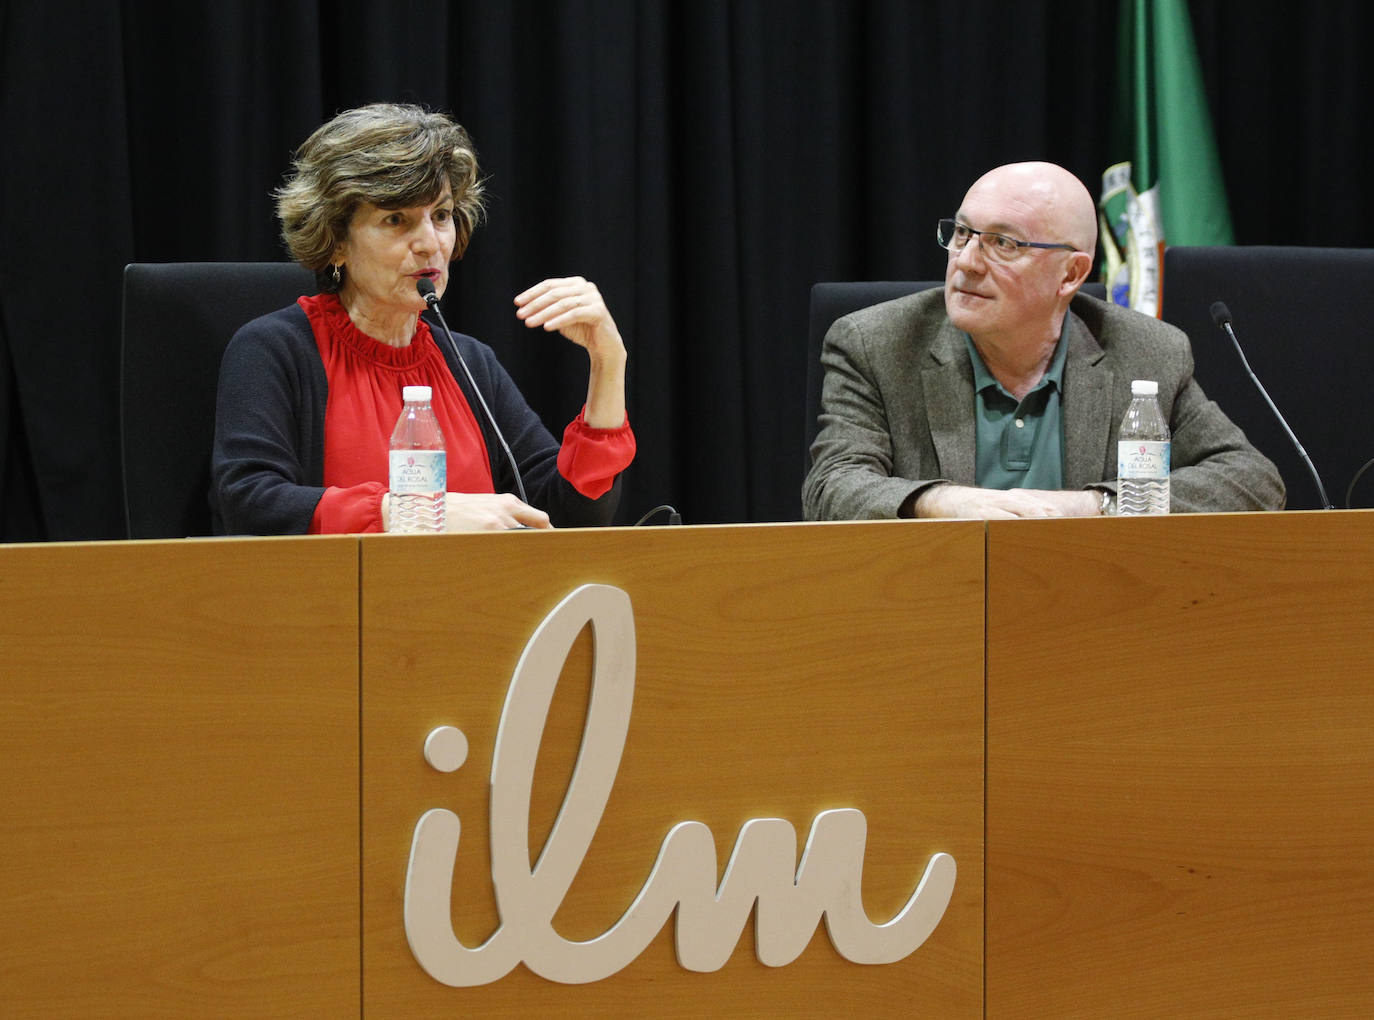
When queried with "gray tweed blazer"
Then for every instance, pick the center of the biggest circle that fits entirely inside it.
(897, 409)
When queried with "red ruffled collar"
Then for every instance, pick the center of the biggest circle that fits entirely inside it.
(330, 309)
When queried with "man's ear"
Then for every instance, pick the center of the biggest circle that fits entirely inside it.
(1080, 264)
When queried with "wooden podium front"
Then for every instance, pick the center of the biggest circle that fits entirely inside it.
(213, 763)
(178, 779)
(213, 759)
(781, 671)
(1181, 766)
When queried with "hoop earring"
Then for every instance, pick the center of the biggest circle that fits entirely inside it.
(338, 276)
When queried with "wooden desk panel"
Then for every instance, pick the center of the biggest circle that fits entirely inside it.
(1180, 766)
(180, 724)
(782, 670)
(179, 787)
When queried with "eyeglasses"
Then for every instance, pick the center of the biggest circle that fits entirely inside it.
(955, 236)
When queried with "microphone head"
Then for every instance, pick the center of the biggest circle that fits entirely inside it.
(1221, 315)
(425, 287)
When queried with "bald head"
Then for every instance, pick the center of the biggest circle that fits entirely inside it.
(1052, 203)
(1015, 309)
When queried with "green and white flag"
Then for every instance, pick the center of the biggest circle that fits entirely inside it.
(1171, 188)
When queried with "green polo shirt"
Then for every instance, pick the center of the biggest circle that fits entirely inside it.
(1020, 444)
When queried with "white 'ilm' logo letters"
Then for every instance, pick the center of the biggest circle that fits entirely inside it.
(709, 920)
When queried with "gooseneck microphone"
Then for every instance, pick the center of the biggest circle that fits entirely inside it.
(1221, 315)
(425, 288)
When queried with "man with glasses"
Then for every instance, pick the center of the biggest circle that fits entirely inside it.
(1001, 395)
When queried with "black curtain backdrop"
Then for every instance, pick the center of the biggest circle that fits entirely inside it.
(704, 162)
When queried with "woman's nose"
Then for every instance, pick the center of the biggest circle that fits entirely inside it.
(426, 236)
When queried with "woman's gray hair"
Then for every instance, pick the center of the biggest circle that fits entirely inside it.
(394, 156)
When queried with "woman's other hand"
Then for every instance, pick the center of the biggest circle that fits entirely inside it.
(480, 511)
(487, 511)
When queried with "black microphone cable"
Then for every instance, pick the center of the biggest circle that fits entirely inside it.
(425, 287)
(673, 516)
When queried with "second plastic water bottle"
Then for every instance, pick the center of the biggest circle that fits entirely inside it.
(419, 469)
(1142, 454)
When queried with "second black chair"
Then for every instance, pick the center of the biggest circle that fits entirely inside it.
(178, 318)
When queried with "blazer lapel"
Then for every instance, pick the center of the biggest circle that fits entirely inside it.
(1087, 408)
(947, 385)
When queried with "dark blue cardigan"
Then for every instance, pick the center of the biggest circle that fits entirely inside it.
(267, 465)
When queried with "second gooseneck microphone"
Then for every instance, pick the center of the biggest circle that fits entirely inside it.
(1221, 315)
(425, 288)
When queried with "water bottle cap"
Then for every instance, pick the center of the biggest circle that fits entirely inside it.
(1139, 388)
(416, 394)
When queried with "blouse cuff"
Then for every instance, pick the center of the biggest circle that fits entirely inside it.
(349, 511)
(590, 458)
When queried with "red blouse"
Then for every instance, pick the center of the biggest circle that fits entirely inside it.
(365, 379)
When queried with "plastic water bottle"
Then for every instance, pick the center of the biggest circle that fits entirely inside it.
(1142, 454)
(419, 469)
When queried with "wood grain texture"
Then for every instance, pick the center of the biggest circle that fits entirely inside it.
(1180, 766)
(782, 670)
(179, 787)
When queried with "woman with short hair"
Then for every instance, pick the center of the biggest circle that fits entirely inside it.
(381, 199)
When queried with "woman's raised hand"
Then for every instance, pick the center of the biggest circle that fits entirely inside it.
(573, 307)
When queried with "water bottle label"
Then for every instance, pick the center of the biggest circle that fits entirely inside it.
(418, 472)
(1142, 458)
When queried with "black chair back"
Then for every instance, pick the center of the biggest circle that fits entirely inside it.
(178, 318)
(831, 301)
(1303, 319)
